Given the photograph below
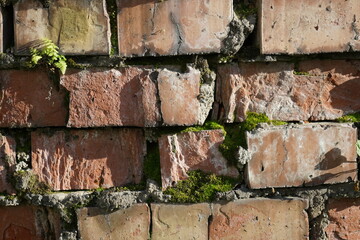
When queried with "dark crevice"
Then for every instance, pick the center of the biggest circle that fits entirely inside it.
(8, 28)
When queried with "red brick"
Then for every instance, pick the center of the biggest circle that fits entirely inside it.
(30, 99)
(297, 27)
(179, 96)
(77, 27)
(271, 219)
(30, 223)
(7, 162)
(297, 155)
(189, 151)
(326, 92)
(344, 216)
(180, 221)
(172, 27)
(100, 97)
(88, 159)
(130, 223)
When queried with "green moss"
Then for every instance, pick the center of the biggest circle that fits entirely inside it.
(112, 11)
(199, 187)
(243, 10)
(152, 163)
(236, 134)
(358, 147)
(207, 126)
(301, 73)
(354, 117)
(28, 182)
(72, 64)
(132, 187)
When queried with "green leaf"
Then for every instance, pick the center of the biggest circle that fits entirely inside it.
(35, 59)
(358, 147)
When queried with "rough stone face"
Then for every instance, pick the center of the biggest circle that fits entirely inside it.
(100, 97)
(328, 90)
(88, 159)
(27, 222)
(7, 162)
(130, 223)
(297, 27)
(297, 155)
(188, 151)
(180, 221)
(179, 96)
(30, 99)
(172, 27)
(272, 219)
(77, 27)
(344, 216)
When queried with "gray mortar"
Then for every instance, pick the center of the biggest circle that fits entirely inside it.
(118, 200)
(239, 30)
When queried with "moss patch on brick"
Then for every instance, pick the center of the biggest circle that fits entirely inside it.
(236, 134)
(111, 8)
(354, 117)
(152, 163)
(207, 126)
(199, 187)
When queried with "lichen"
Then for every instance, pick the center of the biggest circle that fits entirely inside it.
(354, 117)
(199, 187)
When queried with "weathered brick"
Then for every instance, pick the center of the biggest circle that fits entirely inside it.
(180, 96)
(298, 27)
(326, 91)
(77, 27)
(88, 159)
(135, 96)
(172, 27)
(100, 97)
(31, 99)
(344, 216)
(27, 222)
(130, 223)
(297, 155)
(7, 162)
(180, 221)
(272, 219)
(180, 153)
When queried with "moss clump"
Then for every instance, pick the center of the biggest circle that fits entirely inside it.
(152, 163)
(132, 187)
(28, 182)
(301, 73)
(111, 8)
(199, 187)
(235, 134)
(354, 117)
(243, 10)
(206, 126)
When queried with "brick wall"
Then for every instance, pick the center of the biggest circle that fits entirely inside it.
(260, 98)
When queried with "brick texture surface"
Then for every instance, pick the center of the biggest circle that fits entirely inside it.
(7, 162)
(297, 27)
(326, 90)
(30, 223)
(172, 27)
(309, 154)
(30, 99)
(79, 159)
(77, 27)
(189, 151)
(100, 97)
(271, 219)
(344, 216)
(130, 223)
(180, 221)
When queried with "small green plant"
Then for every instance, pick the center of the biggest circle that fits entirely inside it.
(354, 117)
(47, 53)
(199, 187)
(358, 147)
